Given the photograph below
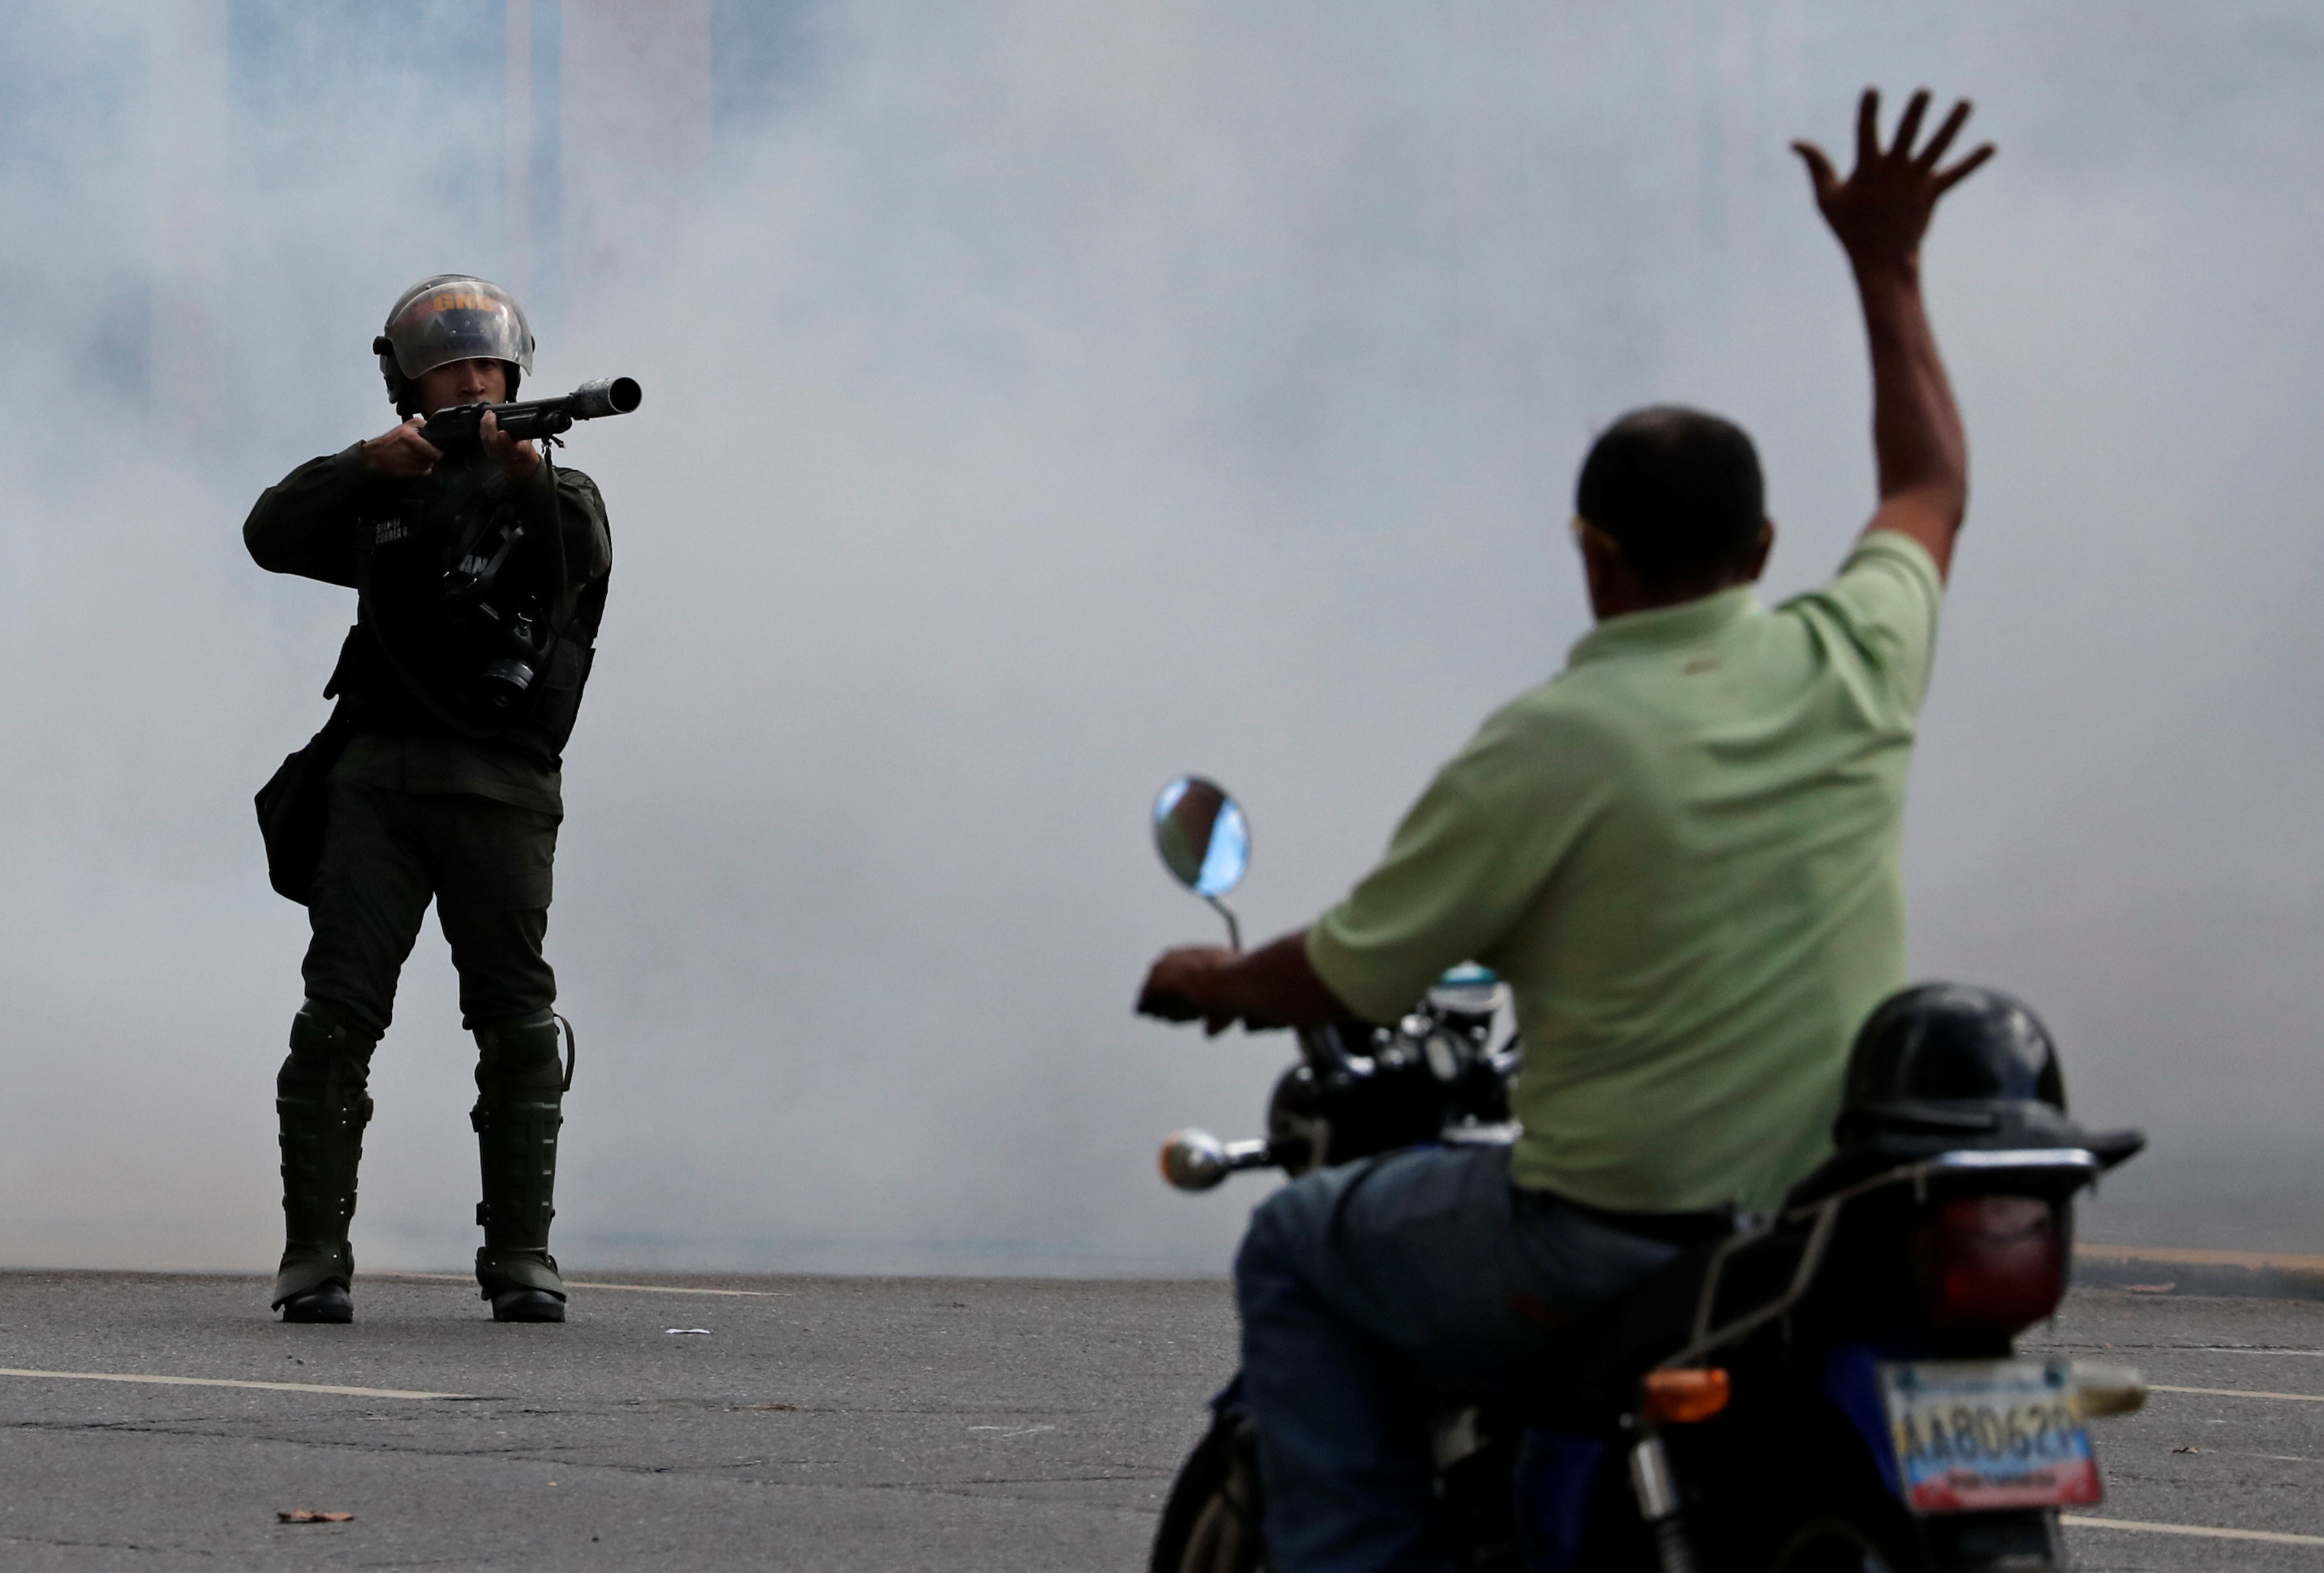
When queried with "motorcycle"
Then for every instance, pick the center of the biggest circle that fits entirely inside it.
(1833, 1388)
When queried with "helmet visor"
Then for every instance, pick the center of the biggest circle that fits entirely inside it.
(453, 317)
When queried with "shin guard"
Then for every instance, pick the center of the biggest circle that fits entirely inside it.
(321, 1105)
(520, 1080)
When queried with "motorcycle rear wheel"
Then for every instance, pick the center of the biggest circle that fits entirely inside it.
(1832, 1545)
(1211, 1524)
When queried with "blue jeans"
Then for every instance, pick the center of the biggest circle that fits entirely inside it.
(1363, 1287)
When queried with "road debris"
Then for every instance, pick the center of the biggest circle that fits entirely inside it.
(688, 1332)
(2152, 1288)
(310, 1516)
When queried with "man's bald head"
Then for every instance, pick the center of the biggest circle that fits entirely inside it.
(1679, 492)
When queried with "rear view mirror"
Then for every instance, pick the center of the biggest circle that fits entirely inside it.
(1204, 841)
(1202, 835)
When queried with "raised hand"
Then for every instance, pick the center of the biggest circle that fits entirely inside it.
(1879, 213)
(1882, 210)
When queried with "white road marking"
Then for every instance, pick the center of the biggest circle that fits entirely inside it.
(228, 1382)
(2274, 1458)
(628, 1288)
(2272, 1536)
(2237, 1392)
(2131, 1349)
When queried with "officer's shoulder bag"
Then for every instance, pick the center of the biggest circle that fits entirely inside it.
(295, 803)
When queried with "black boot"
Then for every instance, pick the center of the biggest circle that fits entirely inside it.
(521, 1081)
(327, 1302)
(321, 1105)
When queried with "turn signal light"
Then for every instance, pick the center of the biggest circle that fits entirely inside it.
(1992, 1263)
(1684, 1397)
(2109, 1389)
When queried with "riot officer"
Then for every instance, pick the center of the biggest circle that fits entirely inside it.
(480, 575)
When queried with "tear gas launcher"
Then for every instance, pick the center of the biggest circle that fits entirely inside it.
(458, 429)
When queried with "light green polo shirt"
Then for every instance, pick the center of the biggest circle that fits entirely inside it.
(1683, 855)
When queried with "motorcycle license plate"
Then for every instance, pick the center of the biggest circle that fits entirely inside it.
(1976, 1434)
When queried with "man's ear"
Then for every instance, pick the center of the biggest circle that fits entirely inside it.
(1595, 545)
(1757, 563)
(1605, 572)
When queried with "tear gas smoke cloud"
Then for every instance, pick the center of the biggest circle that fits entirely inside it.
(1048, 398)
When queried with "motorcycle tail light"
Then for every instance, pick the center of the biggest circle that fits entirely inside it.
(1684, 1397)
(1992, 1263)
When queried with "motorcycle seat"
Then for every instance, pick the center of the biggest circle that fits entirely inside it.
(1590, 1377)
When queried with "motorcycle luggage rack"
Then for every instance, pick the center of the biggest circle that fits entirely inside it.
(1824, 1216)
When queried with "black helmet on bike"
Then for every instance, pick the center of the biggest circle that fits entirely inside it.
(1957, 1065)
(1946, 1044)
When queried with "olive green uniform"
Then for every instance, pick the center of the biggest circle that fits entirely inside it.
(436, 796)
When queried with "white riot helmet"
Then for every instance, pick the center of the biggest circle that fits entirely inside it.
(452, 316)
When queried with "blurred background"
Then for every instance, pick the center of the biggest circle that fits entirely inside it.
(1043, 399)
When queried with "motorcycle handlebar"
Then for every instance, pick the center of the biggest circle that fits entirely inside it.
(1195, 1159)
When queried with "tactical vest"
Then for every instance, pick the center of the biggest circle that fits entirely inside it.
(414, 661)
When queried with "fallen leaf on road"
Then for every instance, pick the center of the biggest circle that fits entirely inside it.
(2186, 1450)
(2152, 1288)
(689, 1332)
(308, 1515)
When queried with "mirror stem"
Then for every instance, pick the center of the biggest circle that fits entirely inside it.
(1234, 929)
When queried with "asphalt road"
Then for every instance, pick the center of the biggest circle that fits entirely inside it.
(841, 1423)
(2246, 1455)
(820, 1424)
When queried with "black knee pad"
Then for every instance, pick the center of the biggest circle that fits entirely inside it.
(323, 1048)
(524, 1052)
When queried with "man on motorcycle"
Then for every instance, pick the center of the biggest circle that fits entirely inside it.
(1683, 855)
